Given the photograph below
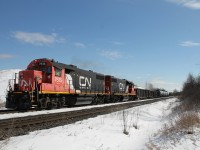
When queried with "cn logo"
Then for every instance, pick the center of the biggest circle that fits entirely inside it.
(24, 83)
(84, 82)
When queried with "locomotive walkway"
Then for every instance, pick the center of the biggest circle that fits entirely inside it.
(23, 125)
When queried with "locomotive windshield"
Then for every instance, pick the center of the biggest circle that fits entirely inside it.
(42, 68)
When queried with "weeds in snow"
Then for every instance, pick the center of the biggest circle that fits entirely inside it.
(125, 122)
(135, 116)
(182, 122)
(152, 146)
(130, 120)
(2, 104)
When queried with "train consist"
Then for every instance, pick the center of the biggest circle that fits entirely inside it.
(46, 84)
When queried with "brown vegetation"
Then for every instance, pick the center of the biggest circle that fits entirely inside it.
(182, 124)
(191, 92)
(185, 117)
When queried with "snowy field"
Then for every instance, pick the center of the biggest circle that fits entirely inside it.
(105, 132)
(5, 75)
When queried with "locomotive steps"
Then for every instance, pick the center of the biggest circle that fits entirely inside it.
(22, 125)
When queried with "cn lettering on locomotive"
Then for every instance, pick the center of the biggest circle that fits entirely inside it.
(84, 82)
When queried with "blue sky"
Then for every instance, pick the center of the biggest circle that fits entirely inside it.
(146, 41)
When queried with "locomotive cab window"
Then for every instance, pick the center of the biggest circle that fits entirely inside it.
(58, 72)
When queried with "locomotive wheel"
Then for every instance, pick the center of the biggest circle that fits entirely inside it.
(94, 101)
(62, 103)
(49, 106)
(39, 106)
(100, 100)
(121, 98)
(116, 99)
(58, 105)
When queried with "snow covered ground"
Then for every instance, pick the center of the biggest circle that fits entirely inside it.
(105, 132)
(5, 75)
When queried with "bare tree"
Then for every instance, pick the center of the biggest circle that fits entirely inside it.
(191, 91)
(149, 86)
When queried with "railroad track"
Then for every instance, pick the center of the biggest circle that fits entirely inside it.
(9, 111)
(22, 125)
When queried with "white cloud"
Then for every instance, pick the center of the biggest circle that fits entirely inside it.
(190, 44)
(37, 38)
(79, 45)
(193, 4)
(112, 55)
(6, 56)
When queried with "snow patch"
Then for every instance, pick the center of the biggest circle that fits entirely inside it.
(5, 75)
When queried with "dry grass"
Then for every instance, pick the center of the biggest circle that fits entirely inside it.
(135, 118)
(187, 121)
(184, 121)
(181, 124)
(125, 122)
(130, 120)
(185, 118)
(152, 146)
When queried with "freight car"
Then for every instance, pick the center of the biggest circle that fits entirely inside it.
(47, 83)
(161, 93)
(142, 93)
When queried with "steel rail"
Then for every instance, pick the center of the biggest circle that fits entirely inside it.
(9, 111)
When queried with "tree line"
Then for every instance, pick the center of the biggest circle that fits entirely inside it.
(191, 91)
